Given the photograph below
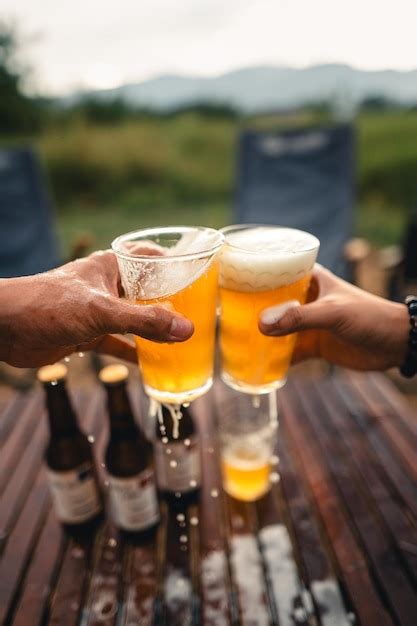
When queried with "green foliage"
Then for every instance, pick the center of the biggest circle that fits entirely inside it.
(152, 168)
(183, 159)
(209, 110)
(387, 151)
(18, 113)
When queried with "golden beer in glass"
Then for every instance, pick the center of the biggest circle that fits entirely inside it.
(180, 273)
(248, 437)
(260, 266)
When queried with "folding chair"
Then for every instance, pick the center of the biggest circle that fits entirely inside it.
(302, 178)
(28, 242)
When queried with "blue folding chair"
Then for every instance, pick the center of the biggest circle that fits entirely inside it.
(302, 178)
(28, 242)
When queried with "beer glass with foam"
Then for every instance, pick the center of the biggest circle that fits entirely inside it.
(260, 266)
(176, 268)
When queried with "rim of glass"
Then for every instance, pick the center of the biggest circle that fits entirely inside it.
(237, 227)
(166, 230)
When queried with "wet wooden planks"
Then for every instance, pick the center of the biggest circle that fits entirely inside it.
(333, 543)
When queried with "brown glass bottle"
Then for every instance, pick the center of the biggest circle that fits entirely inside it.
(129, 459)
(69, 458)
(177, 455)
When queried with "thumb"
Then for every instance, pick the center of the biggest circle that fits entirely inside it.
(291, 317)
(151, 322)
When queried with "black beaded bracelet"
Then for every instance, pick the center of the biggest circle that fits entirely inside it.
(409, 367)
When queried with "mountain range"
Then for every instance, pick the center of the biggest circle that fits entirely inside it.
(267, 88)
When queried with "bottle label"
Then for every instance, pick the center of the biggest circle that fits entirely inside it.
(134, 502)
(75, 494)
(178, 465)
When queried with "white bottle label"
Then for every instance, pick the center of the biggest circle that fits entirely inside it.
(178, 465)
(75, 494)
(133, 501)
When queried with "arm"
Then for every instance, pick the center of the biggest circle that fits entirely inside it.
(342, 324)
(74, 308)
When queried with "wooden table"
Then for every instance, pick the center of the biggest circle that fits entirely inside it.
(333, 543)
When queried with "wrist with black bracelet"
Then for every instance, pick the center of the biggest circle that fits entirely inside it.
(409, 367)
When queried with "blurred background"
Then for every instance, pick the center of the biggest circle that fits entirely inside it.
(162, 112)
(137, 113)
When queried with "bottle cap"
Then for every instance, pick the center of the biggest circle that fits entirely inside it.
(52, 373)
(114, 374)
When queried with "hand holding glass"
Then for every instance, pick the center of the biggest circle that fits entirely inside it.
(179, 272)
(260, 266)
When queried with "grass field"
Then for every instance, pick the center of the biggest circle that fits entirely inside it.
(110, 179)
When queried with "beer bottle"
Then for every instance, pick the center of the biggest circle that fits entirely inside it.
(129, 459)
(69, 458)
(177, 453)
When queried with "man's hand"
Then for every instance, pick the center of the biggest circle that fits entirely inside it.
(342, 324)
(46, 317)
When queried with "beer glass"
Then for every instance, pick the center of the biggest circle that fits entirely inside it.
(260, 266)
(248, 435)
(176, 268)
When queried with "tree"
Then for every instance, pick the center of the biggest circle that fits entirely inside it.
(18, 112)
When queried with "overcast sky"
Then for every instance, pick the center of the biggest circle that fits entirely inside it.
(96, 43)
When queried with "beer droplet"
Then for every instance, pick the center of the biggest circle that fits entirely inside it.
(274, 460)
(193, 483)
(194, 521)
(91, 438)
(187, 442)
(299, 614)
(214, 493)
(183, 548)
(164, 440)
(77, 553)
(186, 405)
(256, 402)
(81, 355)
(180, 517)
(210, 450)
(182, 524)
(183, 538)
(67, 359)
(54, 383)
(274, 477)
(178, 494)
(112, 543)
(168, 451)
(173, 463)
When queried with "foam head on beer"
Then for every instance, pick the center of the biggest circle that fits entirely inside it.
(263, 258)
(155, 270)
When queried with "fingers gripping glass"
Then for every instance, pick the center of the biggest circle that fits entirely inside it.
(174, 267)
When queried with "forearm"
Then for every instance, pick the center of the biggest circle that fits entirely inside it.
(21, 304)
(9, 288)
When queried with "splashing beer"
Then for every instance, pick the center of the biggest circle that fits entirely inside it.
(260, 266)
